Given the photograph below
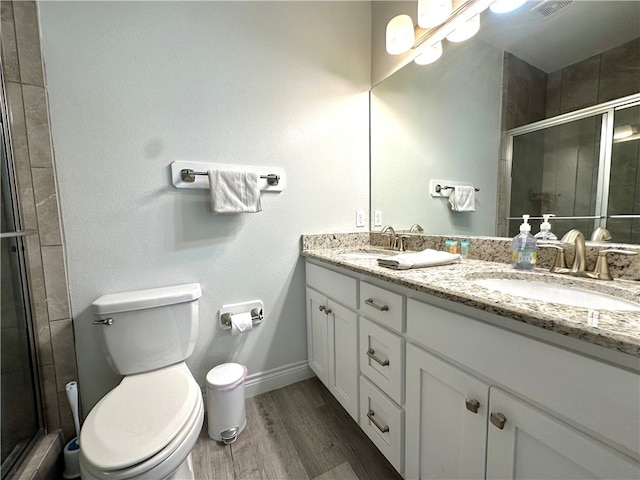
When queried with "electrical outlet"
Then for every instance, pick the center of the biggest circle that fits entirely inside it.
(360, 218)
(377, 218)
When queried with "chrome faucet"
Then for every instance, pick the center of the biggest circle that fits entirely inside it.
(578, 267)
(576, 237)
(390, 233)
(416, 228)
(600, 234)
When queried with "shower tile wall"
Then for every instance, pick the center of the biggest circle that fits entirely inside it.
(598, 79)
(33, 156)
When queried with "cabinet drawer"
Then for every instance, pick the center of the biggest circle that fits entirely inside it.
(382, 358)
(382, 305)
(383, 422)
(335, 285)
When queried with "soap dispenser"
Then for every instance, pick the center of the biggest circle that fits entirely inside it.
(524, 248)
(545, 232)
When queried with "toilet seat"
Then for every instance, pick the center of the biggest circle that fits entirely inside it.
(141, 423)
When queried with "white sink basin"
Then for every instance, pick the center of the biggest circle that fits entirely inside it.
(556, 293)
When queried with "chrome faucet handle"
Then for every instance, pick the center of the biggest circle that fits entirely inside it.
(601, 271)
(560, 263)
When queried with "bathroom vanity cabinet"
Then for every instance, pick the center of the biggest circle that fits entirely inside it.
(332, 334)
(444, 394)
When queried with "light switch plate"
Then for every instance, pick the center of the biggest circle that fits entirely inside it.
(377, 218)
(360, 218)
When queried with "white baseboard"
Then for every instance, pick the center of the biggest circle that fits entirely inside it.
(264, 382)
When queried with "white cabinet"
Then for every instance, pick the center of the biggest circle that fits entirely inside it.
(332, 335)
(524, 442)
(561, 419)
(446, 419)
(448, 396)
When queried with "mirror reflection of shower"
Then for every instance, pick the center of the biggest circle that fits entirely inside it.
(584, 168)
(21, 413)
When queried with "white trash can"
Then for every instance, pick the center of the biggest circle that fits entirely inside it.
(225, 402)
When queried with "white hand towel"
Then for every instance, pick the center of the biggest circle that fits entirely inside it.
(234, 192)
(463, 199)
(425, 258)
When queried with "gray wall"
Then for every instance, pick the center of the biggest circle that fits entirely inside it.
(134, 86)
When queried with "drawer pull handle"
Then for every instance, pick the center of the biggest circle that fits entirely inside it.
(371, 303)
(371, 353)
(472, 404)
(498, 420)
(324, 309)
(384, 429)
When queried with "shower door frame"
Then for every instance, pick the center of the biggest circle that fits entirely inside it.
(607, 110)
(19, 233)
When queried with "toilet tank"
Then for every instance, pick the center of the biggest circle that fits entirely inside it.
(145, 330)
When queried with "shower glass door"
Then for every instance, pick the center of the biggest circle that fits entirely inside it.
(20, 414)
(583, 167)
(623, 201)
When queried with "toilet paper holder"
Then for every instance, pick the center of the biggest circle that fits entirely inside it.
(255, 307)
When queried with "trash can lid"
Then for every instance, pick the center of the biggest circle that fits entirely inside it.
(226, 376)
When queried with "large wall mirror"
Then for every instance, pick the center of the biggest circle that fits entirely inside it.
(477, 116)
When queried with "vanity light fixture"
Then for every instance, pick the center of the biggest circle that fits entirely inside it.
(626, 133)
(465, 30)
(429, 54)
(400, 37)
(462, 23)
(504, 6)
(432, 13)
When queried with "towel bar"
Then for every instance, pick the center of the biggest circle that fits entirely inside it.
(440, 188)
(188, 175)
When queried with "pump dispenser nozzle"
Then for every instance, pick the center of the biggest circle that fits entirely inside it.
(525, 227)
(545, 228)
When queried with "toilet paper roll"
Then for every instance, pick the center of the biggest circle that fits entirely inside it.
(241, 323)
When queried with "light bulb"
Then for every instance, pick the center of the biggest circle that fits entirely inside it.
(400, 37)
(504, 6)
(623, 131)
(432, 13)
(465, 30)
(429, 54)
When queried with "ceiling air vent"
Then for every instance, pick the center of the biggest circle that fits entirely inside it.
(551, 7)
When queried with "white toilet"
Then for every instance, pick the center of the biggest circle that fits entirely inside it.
(146, 427)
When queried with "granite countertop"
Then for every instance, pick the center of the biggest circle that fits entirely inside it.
(615, 330)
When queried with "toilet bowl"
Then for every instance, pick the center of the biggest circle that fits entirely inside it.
(145, 427)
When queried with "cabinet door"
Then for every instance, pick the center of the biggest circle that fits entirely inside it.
(343, 357)
(525, 442)
(446, 411)
(318, 335)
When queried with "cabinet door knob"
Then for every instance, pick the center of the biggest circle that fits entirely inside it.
(383, 429)
(472, 404)
(371, 303)
(498, 420)
(324, 309)
(371, 353)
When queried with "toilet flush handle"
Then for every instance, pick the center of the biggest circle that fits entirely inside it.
(103, 321)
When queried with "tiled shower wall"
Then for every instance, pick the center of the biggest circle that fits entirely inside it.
(34, 162)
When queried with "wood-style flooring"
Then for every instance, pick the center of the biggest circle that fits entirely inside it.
(296, 432)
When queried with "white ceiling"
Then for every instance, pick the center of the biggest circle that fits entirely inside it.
(578, 31)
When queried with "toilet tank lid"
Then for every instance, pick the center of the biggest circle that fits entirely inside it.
(149, 298)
